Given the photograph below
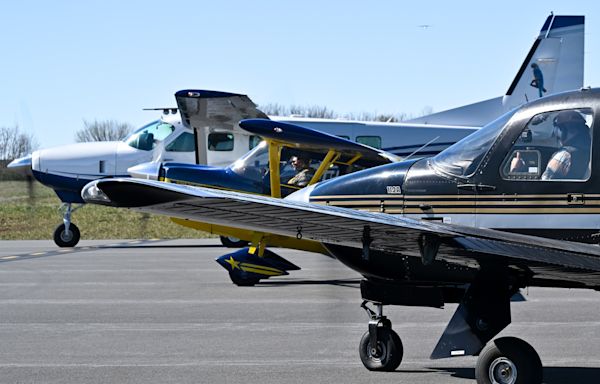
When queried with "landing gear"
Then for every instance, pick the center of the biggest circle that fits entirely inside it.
(233, 242)
(380, 348)
(67, 234)
(508, 360)
(240, 281)
(66, 238)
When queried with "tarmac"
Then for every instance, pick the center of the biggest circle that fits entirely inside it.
(126, 311)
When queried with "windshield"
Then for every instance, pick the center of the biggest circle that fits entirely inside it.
(464, 157)
(254, 164)
(146, 137)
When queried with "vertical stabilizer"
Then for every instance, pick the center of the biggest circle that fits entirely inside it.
(554, 64)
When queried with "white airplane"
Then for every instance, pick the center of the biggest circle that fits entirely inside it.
(209, 132)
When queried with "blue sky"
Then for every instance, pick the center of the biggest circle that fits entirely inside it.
(66, 61)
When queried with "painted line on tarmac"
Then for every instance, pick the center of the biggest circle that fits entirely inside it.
(56, 252)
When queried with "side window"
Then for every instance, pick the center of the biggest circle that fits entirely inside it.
(253, 141)
(183, 143)
(554, 145)
(371, 141)
(220, 141)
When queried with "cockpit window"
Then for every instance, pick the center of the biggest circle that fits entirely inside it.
(184, 143)
(297, 167)
(463, 158)
(146, 137)
(554, 145)
(254, 164)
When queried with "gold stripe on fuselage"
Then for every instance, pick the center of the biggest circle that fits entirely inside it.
(490, 204)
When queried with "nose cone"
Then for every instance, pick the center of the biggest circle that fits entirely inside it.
(87, 160)
(21, 165)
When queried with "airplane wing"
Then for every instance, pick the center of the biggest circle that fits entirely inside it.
(313, 140)
(573, 263)
(201, 108)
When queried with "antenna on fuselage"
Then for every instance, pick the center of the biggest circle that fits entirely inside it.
(421, 148)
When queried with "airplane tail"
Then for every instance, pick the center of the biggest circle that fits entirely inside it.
(554, 64)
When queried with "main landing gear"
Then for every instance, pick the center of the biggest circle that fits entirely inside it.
(508, 360)
(67, 234)
(483, 312)
(380, 348)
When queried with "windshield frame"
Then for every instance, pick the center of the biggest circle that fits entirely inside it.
(478, 144)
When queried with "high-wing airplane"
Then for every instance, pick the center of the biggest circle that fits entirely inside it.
(513, 205)
(216, 138)
(269, 170)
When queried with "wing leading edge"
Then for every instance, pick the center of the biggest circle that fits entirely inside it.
(347, 227)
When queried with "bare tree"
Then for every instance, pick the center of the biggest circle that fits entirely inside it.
(103, 130)
(14, 144)
(275, 109)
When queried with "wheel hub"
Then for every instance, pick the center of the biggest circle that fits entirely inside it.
(377, 353)
(503, 371)
(66, 236)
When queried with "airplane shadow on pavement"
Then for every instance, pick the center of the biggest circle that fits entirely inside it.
(349, 283)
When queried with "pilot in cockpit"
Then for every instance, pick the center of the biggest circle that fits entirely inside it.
(571, 161)
(304, 172)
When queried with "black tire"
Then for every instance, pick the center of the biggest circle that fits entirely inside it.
(64, 239)
(243, 282)
(389, 348)
(508, 360)
(232, 242)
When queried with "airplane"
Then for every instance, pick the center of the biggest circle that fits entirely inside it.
(215, 116)
(511, 206)
(216, 138)
(229, 178)
(267, 170)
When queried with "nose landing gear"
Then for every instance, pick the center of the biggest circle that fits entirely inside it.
(67, 234)
(380, 348)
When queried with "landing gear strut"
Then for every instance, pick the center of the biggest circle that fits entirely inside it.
(380, 348)
(67, 234)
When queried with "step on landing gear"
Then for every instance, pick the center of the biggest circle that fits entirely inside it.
(67, 234)
(380, 348)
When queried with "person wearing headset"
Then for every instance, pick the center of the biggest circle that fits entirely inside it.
(572, 160)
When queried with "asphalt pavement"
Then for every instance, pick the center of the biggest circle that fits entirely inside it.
(127, 311)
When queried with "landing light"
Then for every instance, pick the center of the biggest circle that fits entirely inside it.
(91, 192)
